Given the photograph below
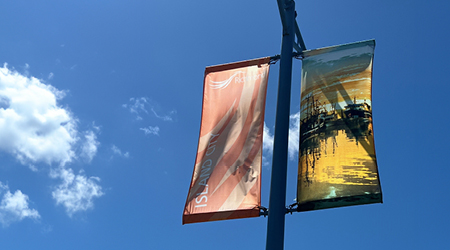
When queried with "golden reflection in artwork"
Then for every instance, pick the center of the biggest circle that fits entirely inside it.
(337, 164)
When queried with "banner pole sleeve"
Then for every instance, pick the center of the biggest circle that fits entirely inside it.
(277, 199)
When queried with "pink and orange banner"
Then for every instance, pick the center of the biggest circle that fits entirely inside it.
(226, 183)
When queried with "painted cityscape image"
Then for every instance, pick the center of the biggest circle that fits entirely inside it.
(337, 163)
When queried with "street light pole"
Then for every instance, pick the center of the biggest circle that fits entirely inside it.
(277, 200)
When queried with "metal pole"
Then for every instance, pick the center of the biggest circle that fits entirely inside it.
(277, 200)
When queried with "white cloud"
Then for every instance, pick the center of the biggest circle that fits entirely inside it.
(117, 151)
(76, 192)
(151, 130)
(14, 207)
(90, 146)
(33, 127)
(267, 145)
(294, 130)
(267, 139)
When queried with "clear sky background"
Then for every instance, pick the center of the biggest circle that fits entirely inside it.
(100, 105)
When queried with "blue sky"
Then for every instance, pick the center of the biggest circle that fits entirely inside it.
(100, 111)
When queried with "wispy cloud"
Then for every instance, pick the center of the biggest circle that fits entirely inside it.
(168, 117)
(119, 152)
(151, 130)
(137, 106)
(76, 192)
(140, 106)
(14, 207)
(90, 145)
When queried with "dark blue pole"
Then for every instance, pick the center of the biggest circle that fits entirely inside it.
(277, 200)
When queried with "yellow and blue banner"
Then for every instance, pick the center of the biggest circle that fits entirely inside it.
(337, 162)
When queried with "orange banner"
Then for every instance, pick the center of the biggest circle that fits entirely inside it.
(226, 183)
